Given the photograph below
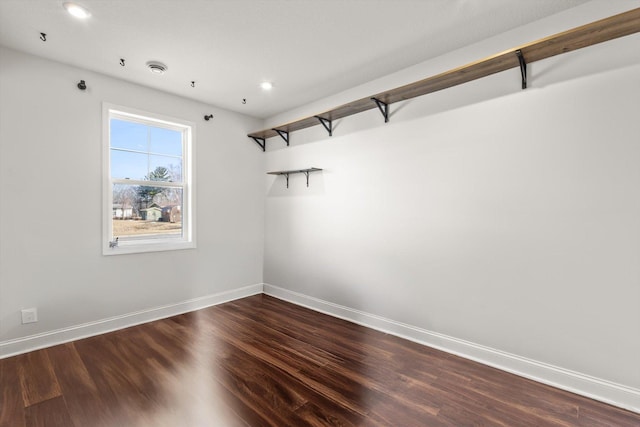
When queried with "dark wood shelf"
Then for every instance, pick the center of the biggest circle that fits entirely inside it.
(289, 172)
(596, 32)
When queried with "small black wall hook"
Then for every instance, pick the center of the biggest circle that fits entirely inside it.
(193, 83)
(82, 85)
(244, 100)
(209, 117)
(122, 61)
(43, 37)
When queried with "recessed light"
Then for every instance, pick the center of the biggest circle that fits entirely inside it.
(156, 67)
(266, 85)
(76, 10)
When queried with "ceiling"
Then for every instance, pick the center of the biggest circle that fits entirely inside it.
(309, 49)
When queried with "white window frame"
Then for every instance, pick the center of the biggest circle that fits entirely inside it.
(155, 244)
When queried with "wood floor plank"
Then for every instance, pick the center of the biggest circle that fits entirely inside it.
(270, 356)
(383, 408)
(195, 399)
(11, 402)
(260, 361)
(49, 413)
(256, 385)
(284, 344)
(37, 378)
(486, 408)
(593, 414)
(120, 381)
(84, 401)
(525, 398)
(318, 415)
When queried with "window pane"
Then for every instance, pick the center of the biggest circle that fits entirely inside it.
(172, 165)
(143, 212)
(128, 135)
(165, 141)
(127, 165)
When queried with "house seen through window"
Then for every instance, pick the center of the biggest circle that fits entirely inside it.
(149, 187)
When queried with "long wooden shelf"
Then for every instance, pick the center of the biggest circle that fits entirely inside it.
(596, 32)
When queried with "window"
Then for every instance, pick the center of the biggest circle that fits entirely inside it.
(148, 184)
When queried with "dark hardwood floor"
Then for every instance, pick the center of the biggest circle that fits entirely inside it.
(263, 362)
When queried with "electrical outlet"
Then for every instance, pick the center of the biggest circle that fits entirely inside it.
(29, 315)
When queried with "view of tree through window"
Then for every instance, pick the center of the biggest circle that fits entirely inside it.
(146, 167)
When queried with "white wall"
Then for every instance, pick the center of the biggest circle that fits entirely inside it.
(51, 202)
(505, 218)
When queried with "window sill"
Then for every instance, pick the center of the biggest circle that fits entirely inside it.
(140, 247)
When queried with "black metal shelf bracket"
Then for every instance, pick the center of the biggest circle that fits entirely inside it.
(286, 174)
(383, 107)
(523, 68)
(327, 124)
(260, 141)
(283, 134)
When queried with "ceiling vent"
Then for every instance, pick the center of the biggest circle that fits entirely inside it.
(156, 67)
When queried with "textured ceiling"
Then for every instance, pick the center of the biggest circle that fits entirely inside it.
(309, 49)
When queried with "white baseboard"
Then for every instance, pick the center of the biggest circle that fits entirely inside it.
(47, 339)
(575, 382)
